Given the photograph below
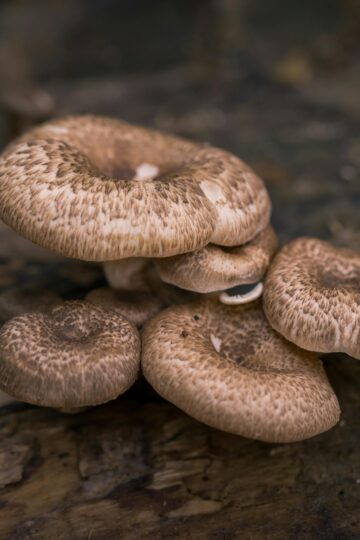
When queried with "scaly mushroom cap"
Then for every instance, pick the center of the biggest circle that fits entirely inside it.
(312, 296)
(100, 189)
(19, 300)
(214, 268)
(76, 355)
(227, 368)
(137, 306)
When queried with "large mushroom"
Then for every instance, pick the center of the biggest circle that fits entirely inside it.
(215, 268)
(229, 369)
(312, 296)
(99, 189)
(75, 355)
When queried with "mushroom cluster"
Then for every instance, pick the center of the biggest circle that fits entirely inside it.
(177, 225)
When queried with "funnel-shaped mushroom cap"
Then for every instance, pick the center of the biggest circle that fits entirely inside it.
(76, 355)
(214, 268)
(226, 367)
(19, 300)
(137, 306)
(100, 189)
(312, 296)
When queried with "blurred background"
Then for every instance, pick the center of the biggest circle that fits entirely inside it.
(276, 82)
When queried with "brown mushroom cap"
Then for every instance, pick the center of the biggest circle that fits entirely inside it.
(229, 369)
(100, 189)
(76, 355)
(214, 268)
(137, 306)
(312, 296)
(19, 300)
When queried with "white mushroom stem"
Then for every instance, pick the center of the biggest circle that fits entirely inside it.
(126, 274)
(5, 399)
(238, 299)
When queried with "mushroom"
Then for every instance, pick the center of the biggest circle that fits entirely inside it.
(99, 189)
(229, 369)
(76, 355)
(312, 296)
(137, 306)
(215, 268)
(19, 300)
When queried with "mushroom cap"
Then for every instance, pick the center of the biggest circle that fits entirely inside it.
(19, 300)
(214, 268)
(100, 189)
(227, 367)
(77, 354)
(312, 296)
(136, 306)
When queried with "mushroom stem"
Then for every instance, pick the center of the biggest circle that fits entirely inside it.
(126, 274)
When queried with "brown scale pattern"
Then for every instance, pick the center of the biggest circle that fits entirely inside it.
(136, 306)
(258, 385)
(19, 300)
(312, 296)
(76, 355)
(214, 268)
(65, 185)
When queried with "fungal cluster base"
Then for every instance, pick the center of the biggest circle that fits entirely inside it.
(200, 299)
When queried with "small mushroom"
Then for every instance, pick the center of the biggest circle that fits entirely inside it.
(19, 300)
(76, 355)
(137, 306)
(215, 268)
(312, 296)
(229, 369)
(99, 189)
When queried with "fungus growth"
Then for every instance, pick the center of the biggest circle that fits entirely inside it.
(75, 355)
(312, 296)
(227, 367)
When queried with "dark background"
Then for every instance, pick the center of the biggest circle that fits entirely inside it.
(278, 83)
